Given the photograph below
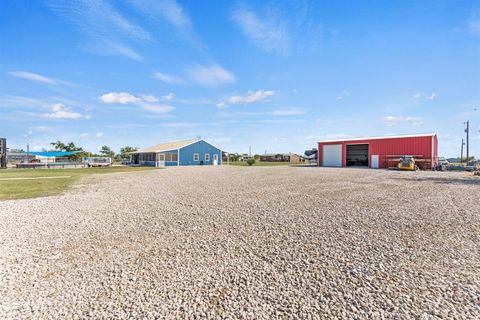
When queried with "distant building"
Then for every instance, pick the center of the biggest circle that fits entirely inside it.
(282, 157)
(178, 153)
(3, 153)
(379, 152)
(16, 157)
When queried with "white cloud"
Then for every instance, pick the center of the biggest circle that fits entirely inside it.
(119, 97)
(115, 48)
(433, 96)
(97, 135)
(417, 96)
(268, 33)
(343, 95)
(169, 96)
(251, 97)
(169, 79)
(98, 18)
(149, 98)
(104, 26)
(210, 75)
(37, 129)
(144, 101)
(33, 77)
(163, 108)
(60, 111)
(180, 124)
(174, 13)
(288, 112)
(170, 10)
(391, 121)
(42, 129)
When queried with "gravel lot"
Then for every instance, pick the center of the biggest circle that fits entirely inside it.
(246, 243)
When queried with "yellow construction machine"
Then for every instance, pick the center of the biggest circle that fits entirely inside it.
(407, 163)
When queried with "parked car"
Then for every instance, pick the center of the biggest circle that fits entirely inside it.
(471, 165)
(442, 164)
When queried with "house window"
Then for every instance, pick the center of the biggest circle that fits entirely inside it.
(196, 157)
(168, 157)
(207, 157)
(161, 157)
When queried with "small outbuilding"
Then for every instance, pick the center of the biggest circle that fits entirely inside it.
(178, 153)
(281, 157)
(379, 152)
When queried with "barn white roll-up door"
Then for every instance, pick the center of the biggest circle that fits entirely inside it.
(332, 155)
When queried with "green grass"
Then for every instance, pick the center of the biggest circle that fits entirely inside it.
(258, 163)
(22, 189)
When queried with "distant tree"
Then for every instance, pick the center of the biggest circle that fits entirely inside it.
(234, 157)
(106, 151)
(70, 146)
(125, 152)
(60, 146)
(250, 161)
(256, 157)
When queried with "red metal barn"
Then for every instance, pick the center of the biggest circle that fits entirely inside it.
(379, 152)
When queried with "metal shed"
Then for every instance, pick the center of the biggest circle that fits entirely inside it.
(379, 152)
(178, 153)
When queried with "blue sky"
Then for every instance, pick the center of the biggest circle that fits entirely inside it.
(276, 75)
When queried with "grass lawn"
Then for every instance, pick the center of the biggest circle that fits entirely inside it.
(257, 163)
(32, 183)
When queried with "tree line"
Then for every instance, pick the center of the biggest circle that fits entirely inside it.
(105, 151)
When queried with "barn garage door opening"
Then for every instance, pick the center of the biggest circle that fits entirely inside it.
(357, 155)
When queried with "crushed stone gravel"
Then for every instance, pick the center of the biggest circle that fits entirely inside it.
(246, 243)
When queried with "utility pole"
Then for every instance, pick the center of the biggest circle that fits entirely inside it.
(250, 152)
(461, 152)
(467, 130)
(468, 144)
(28, 151)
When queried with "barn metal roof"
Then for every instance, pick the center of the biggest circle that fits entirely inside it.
(167, 146)
(383, 137)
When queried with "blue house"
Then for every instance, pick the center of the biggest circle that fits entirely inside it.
(179, 153)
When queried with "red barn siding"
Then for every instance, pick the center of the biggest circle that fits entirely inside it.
(422, 145)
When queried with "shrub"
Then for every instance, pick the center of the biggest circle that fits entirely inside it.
(250, 161)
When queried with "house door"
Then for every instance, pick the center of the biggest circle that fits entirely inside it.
(375, 161)
(215, 159)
